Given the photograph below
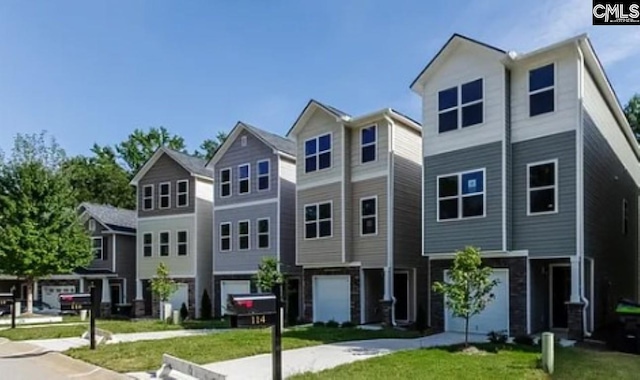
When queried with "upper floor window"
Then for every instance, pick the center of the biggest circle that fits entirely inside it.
(368, 216)
(225, 182)
(541, 90)
(96, 245)
(243, 141)
(244, 178)
(542, 192)
(92, 225)
(182, 193)
(368, 139)
(165, 243)
(317, 220)
(147, 197)
(625, 217)
(182, 243)
(243, 235)
(461, 195)
(461, 106)
(263, 233)
(263, 174)
(317, 153)
(147, 244)
(165, 195)
(225, 237)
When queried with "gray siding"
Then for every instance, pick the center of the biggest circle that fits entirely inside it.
(449, 236)
(550, 234)
(165, 170)
(254, 151)
(508, 159)
(126, 263)
(288, 217)
(325, 250)
(370, 250)
(107, 247)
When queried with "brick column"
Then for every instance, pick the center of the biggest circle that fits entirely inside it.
(387, 310)
(105, 310)
(138, 308)
(575, 322)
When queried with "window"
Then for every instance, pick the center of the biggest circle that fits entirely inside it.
(461, 106)
(317, 153)
(263, 233)
(182, 194)
(263, 174)
(625, 216)
(542, 195)
(183, 244)
(317, 220)
(243, 235)
(244, 178)
(225, 237)
(96, 245)
(368, 216)
(461, 195)
(92, 225)
(147, 244)
(541, 90)
(165, 242)
(368, 144)
(165, 195)
(225, 182)
(147, 197)
(243, 141)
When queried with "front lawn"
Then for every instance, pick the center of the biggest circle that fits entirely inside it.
(147, 355)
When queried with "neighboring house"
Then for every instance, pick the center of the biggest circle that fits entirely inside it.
(174, 197)
(530, 157)
(254, 213)
(358, 215)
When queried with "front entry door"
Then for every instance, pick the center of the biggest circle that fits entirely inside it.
(560, 295)
(401, 294)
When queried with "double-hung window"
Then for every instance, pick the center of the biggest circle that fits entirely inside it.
(368, 138)
(96, 245)
(92, 225)
(542, 191)
(225, 237)
(147, 244)
(182, 193)
(461, 106)
(244, 178)
(542, 90)
(147, 197)
(165, 243)
(165, 195)
(317, 153)
(263, 233)
(263, 174)
(461, 195)
(182, 243)
(317, 220)
(368, 216)
(225, 183)
(243, 235)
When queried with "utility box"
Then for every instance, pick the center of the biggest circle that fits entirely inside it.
(628, 331)
(75, 302)
(252, 310)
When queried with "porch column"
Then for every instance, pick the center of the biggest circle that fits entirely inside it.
(138, 302)
(106, 291)
(35, 290)
(138, 289)
(575, 279)
(386, 303)
(82, 285)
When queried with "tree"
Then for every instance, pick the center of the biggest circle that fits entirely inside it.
(268, 274)
(163, 286)
(632, 111)
(210, 146)
(469, 288)
(141, 145)
(40, 231)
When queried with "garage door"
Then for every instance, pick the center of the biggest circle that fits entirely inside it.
(50, 294)
(331, 298)
(179, 297)
(495, 316)
(232, 287)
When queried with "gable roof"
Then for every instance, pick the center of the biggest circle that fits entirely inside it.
(111, 217)
(313, 105)
(194, 165)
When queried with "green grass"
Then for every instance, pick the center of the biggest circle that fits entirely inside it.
(146, 355)
(52, 331)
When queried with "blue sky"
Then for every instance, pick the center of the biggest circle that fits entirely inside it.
(92, 71)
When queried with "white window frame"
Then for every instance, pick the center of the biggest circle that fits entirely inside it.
(460, 106)
(230, 237)
(268, 233)
(230, 182)
(317, 153)
(160, 244)
(178, 243)
(92, 225)
(150, 245)
(150, 197)
(374, 144)
(161, 196)
(243, 140)
(318, 220)
(185, 193)
(625, 217)
(363, 217)
(94, 249)
(248, 179)
(555, 187)
(247, 235)
(268, 175)
(553, 87)
(461, 196)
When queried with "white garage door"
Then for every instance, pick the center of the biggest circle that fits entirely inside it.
(495, 316)
(179, 297)
(50, 294)
(232, 287)
(331, 298)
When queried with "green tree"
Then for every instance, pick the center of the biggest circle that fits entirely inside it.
(469, 287)
(210, 146)
(163, 286)
(632, 111)
(268, 274)
(141, 145)
(40, 232)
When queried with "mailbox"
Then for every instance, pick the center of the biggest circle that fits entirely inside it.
(6, 299)
(75, 302)
(252, 310)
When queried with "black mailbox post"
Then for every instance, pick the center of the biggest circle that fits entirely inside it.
(82, 301)
(10, 299)
(252, 310)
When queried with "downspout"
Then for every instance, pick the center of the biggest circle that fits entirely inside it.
(390, 229)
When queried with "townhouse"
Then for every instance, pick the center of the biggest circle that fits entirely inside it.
(174, 226)
(530, 157)
(254, 213)
(358, 198)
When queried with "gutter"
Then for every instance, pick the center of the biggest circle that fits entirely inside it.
(390, 223)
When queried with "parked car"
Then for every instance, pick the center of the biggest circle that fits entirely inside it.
(5, 310)
(40, 307)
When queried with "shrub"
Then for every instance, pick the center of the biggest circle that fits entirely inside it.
(332, 323)
(498, 337)
(525, 340)
(348, 325)
(184, 312)
(319, 324)
(206, 305)
(421, 324)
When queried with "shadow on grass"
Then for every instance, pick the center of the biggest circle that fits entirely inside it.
(339, 334)
(492, 347)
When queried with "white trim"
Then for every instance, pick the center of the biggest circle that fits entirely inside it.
(544, 89)
(555, 187)
(551, 293)
(268, 233)
(248, 179)
(317, 153)
(268, 175)
(375, 215)
(161, 196)
(459, 106)
(369, 174)
(343, 198)
(317, 220)
(158, 217)
(113, 254)
(246, 204)
(459, 196)
(185, 243)
(144, 245)
(279, 213)
(484, 255)
(314, 287)
(94, 249)
(365, 145)
(160, 244)
(229, 182)
(178, 193)
(240, 235)
(317, 183)
(334, 265)
(234, 272)
(92, 224)
(151, 197)
(230, 237)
